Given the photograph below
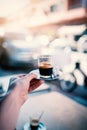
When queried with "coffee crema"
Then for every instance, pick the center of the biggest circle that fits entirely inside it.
(34, 124)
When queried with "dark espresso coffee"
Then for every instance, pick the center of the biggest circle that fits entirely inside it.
(45, 69)
(34, 124)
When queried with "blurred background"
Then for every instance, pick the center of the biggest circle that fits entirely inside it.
(29, 28)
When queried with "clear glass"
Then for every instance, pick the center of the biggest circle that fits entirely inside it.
(45, 65)
(35, 120)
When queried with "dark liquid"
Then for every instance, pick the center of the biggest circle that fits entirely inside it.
(45, 69)
(34, 125)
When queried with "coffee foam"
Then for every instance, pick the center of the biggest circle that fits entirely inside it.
(45, 65)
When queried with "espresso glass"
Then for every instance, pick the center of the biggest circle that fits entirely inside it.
(35, 119)
(34, 124)
(45, 65)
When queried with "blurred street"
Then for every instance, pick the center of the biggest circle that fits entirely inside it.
(34, 29)
(75, 56)
(79, 94)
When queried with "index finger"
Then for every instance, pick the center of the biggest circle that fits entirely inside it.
(31, 76)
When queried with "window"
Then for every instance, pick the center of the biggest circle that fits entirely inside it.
(75, 4)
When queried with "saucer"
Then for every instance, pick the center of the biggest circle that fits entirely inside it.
(41, 126)
(2, 95)
(36, 71)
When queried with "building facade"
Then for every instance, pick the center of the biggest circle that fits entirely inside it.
(54, 13)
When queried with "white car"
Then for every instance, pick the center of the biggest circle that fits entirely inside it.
(59, 43)
(19, 52)
(82, 44)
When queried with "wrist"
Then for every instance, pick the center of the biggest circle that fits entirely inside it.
(9, 109)
(14, 96)
(20, 95)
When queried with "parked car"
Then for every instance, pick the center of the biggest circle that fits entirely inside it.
(19, 53)
(59, 43)
(67, 82)
(82, 44)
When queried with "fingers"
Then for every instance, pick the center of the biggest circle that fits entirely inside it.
(35, 83)
(31, 77)
(15, 78)
(27, 77)
(29, 80)
(21, 75)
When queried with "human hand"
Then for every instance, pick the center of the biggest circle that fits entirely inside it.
(24, 84)
(19, 87)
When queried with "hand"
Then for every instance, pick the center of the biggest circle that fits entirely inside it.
(24, 84)
(11, 104)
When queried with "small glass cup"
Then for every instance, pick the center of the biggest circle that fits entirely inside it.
(35, 120)
(45, 65)
(34, 124)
